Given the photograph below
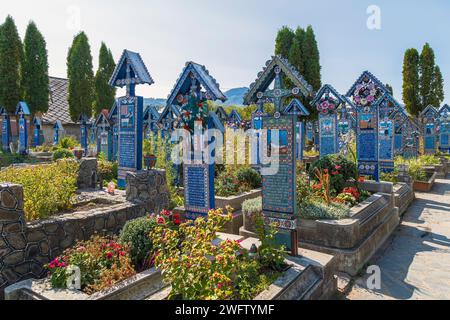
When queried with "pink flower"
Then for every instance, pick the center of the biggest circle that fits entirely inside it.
(338, 167)
(109, 255)
(165, 213)
(219, 286)
(161, 220)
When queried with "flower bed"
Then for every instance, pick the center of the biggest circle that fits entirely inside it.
(48, 188)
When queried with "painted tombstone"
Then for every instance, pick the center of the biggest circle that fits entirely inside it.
(168, 121)
(327, 102)
(366, 92)
(398, 133)
(221, 114)
(387, 106)
(6, 130)
(113, 118)
(257, 123)
(151, 117)
(278, 149)
(429, 118)
(444, 132)
(22, 111)
(411, 137)
(84, 136)
(346, 124)
(192, 91)
(104, 136)
(38, 135)
(298, 111)
(129, 72)
(57, 132)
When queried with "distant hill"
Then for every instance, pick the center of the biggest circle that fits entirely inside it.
(235, 98)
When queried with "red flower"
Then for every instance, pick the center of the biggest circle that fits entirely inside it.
(335, 173)
(161, 220)
(176, 219)
(165, 213)
(338, 167)
(361, 179)
(219, 286)
(109, 255)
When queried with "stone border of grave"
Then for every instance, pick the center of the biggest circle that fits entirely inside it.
(426, 186)
(404, 196)
(26, 247)
(354, 240)
(236, 202)
(440, 169)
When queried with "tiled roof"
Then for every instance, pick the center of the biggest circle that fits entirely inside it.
(58, 104)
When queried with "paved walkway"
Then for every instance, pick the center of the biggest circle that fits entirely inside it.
(415, 264)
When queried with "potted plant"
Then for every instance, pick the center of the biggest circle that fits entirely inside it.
(149, 157)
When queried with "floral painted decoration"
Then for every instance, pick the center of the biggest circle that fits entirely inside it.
(327, 105)
(366, 93)
(196, 110)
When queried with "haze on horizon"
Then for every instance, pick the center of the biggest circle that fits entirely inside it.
(233, 38)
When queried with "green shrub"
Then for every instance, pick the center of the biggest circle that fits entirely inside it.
(252, 206)
(429, 160)
(68, 143)
(339, 168)
(47, 188)
(108, 171)
(249, 177)
(62, 154)
(234, 181)
(7, 159)
(320, 211)
(136, 235)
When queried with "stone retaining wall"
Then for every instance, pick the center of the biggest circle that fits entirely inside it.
(26, 247)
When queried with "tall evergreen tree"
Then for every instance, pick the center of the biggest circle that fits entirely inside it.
(311, 58)
(104, 93)
(283, 42)
(437, 87)
(295, 53)
(81, 77)
(11, 58)
(411, 87)
(426, 66)
(35, 80)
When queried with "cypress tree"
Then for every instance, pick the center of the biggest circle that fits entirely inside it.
(411, 87)
(295, 52)
(284, 41)
(438, 87)
(81, 77)
(11, 58)
(311, 58)
(35, 80)
(104, 93)
(426, 65)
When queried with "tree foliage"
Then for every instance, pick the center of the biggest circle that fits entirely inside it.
(81, 77)
(11, 59)
(437, 87)
(283, 42)
(104, 93)
(35, 79)
(411, 88)
(426, 67)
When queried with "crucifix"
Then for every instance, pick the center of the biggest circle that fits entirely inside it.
(278, 93)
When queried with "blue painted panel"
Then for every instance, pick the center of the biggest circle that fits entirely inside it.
(328, 134)
(386, 141)
(6, 134)
(84, 138)
(23, 136)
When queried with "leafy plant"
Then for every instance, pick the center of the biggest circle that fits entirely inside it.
(320, 211)
(237, 180)
(197, 269)
(340, 169)
(68, 142)
(62, 154)
(47, 188)
(108, 171)
(102, 262)
(136, 235)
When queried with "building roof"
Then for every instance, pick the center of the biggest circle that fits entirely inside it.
(58, 104)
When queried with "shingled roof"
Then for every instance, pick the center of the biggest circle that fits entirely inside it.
(58, 104)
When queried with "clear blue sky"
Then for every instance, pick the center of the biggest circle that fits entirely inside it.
(234, 38)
